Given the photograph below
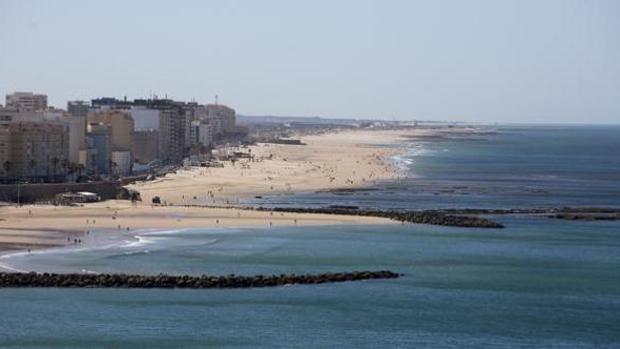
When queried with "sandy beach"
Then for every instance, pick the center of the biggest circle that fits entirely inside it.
(46, 226)
(347, 159)
(334, 160)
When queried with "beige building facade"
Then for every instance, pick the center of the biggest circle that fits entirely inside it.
(38, 150)
(121, 126)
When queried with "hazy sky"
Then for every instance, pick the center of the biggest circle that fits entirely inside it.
(517, 61)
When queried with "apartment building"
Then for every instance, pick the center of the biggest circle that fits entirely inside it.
(26, 101)
(145, 146)
(78, 108)
(121, 126)
(38, 150)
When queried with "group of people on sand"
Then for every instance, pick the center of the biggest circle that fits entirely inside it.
(75, 240)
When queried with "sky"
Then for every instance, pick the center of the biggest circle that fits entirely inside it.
(520, 61)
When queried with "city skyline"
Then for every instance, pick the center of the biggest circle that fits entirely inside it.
(530, 62)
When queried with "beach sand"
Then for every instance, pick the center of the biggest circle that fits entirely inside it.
(48, 226)
(349, 159)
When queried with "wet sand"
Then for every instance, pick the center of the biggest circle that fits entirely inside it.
(48, 226)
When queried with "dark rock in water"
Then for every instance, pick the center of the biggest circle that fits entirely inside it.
(344, 207)
(184, 281)
(576, 216)
(468, 218)
(422, 217)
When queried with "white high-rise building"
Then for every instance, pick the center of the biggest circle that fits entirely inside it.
(144, 118)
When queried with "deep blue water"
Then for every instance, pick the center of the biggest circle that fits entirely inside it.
(537, 283)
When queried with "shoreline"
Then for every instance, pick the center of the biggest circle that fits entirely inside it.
(36, 227)
(363, 159)
(210, 197)
(98, 240)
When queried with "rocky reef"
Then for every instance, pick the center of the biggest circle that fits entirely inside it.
(184, 281)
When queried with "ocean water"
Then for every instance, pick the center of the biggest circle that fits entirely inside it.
(537, 283)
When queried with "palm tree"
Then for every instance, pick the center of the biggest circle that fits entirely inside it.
(32, 163)
(65, 166)
(71, 169)
(8, 165)
(55, 162)
(80, 169)
(113, 166)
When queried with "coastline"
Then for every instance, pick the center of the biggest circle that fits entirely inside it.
(39, 226)
(213, 197)
(361, 159)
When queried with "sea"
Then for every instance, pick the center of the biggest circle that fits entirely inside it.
(539, 282)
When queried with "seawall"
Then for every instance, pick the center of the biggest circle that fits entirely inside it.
(29, 193)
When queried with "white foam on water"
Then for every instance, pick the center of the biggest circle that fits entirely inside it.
(404, 161)
(161, 232)
(132, 244)
(148, 237)
(141, 240)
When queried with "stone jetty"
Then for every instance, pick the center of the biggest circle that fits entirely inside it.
(565, 213)
(184, 281)
(468, 217)
(420, 217)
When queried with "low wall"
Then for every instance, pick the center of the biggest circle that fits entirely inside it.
(29, 193)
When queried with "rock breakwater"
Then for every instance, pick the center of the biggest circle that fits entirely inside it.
(420, 217)
(184, 281)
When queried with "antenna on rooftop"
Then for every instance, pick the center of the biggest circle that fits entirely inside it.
(215, 99)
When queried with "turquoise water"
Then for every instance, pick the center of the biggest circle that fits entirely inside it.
(537, 283)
